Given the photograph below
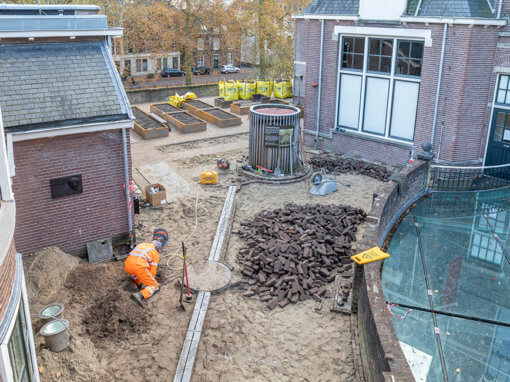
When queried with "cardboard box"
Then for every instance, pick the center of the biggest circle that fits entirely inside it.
(158, 198)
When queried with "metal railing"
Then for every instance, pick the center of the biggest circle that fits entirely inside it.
(449, 178)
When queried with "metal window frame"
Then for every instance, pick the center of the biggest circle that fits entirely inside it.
(365, 73)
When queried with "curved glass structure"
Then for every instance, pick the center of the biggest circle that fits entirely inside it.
(447, 285)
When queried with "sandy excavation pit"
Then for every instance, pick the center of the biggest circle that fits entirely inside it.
(242, 340)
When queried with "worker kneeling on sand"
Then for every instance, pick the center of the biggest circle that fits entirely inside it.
(142, 265)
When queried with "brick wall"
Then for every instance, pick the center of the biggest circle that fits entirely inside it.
(71, 221)
(382, 356)
(465, 93)
(7, 272)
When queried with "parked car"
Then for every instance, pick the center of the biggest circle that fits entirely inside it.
(202, 70)
(172, 73)
(229, 69)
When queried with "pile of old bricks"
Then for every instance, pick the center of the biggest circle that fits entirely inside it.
(291, 253)
(335, 164)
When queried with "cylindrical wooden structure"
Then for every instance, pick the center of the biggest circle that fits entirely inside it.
(275, 137)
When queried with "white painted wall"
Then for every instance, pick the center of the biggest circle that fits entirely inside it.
(381, 9)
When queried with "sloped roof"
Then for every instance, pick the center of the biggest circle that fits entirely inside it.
(332, 7)
(57, 84)
(450, 8)
(428, 8)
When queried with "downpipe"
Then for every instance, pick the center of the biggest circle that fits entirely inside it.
(126, 182)
(438, 90)
(316, 145)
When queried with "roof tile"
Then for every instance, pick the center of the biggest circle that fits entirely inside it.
(60, 84)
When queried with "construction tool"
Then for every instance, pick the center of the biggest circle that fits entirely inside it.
(209, 177)
(223, 164)
(185, 267)
(182, 278)
(323, 184)
(277, 170)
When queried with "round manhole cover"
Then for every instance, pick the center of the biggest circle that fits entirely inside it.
(208, 276)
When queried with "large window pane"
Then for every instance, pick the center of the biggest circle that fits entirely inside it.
(352, 53)
(410, 57)
(379, 59)
(349, 102)
(18, 350)
(376, 101)
(403, 115)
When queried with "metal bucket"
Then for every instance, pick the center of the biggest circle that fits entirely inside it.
(56, 335)
(50, 312)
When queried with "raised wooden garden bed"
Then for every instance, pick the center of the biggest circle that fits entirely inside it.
(278, 101)
(146, 126)
(219, 117)
(185, 122)
(194, 105)
(242, 107)
(160, 109)
(220, 102)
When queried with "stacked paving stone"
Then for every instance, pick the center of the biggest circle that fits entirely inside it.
(334, 164)
(291, 253)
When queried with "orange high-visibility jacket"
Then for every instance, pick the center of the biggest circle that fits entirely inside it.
(147, 252)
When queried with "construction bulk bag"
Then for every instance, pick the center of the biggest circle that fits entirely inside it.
(175, 100)
(264, 87)
(221, 87)
(231, 93)
(246, 88)
(282, 88)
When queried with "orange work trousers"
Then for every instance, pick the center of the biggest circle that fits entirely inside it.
(139, 271)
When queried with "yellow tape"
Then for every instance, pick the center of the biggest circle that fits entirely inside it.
(373, 254)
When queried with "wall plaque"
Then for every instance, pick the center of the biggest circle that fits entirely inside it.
(67, 185)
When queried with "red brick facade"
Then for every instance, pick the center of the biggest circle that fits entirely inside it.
(7, 272)
(69, 222)
(467, 90)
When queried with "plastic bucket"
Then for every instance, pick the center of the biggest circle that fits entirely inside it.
(50, 312)
(56, 335)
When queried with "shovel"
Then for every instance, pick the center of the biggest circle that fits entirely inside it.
(277, 171)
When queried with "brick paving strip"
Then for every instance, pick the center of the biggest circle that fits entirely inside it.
(190, 347)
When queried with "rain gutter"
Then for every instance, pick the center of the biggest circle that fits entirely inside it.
(316, 145)
(438, 90)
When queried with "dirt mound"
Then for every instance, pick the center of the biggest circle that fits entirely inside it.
(114, 317)
(98, 276)
(78, 363)
(46, 272)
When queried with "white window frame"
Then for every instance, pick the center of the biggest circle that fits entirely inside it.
(216, 43)
(364, 74)
(200, 60)
(231, 58)
(5, 175)
(5, 365)
(200, 43)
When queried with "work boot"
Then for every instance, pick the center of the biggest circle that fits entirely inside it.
(138, 298)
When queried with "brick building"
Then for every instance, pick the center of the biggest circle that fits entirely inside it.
(66, 118)
(395, 74)
(18, 361)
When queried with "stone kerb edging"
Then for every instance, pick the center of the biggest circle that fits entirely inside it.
(382, 356)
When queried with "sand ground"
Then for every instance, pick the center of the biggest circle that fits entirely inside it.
(114, 340)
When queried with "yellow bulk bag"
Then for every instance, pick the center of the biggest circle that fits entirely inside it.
(264, 87)
(283, 88)
(189, 96)
(175, 100)
(231, 91)
(246, 89)
(221, 87)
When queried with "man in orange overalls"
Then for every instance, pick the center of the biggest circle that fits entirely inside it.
(142, 265)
